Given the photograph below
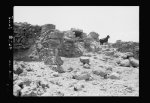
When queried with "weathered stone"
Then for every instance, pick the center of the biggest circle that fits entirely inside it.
(118, 60)
(134, 62)
(59, 61)
(95, 57)
(72, 45)
(124, 55)
(78, 87)
(44, 84)
(69, 35)
(55, 74)
(114, 75)
(55, 35)
(27, 82)
(18, 82)
(53, 60)
(94, 35)
(18, 70)
(96, 71)
(68, 49)
(86, 66)
(21, 85)
(95, 46)
(47, 27)
(58, 69)
(28, 91)
(76, 29)
(84, 60)
(53, 43)
(16, 90)
(121, 55)
(129, 54)
(109, 68)
(47, 44)
(24, 66)
(79, 34)
(100, 72)
(15, 77)
(125, 63)
(80, 46)
(91, 45)
(29, 69)
(70, 69)
(109, 53)
(46, 94)
(82, 76)
(33, 52)
(31, 94)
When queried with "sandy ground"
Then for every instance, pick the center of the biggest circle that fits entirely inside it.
(76, 79)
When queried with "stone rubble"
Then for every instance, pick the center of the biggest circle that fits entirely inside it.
(53, 82)
(70, 64)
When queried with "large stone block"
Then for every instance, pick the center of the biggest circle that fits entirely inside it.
(134, 62)
(125, 63)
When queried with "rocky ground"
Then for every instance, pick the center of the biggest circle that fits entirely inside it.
(105, 73)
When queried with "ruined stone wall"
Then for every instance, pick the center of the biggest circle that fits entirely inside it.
(51, 44)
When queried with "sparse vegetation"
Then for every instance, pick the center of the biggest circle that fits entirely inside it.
(127, 47)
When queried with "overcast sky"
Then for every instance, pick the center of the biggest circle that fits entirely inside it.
(120, 22)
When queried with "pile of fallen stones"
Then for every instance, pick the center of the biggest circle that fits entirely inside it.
(126, 59)
(88, 73)
(105, 72)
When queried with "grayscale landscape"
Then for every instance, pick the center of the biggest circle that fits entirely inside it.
(50, 62)
(75, 51)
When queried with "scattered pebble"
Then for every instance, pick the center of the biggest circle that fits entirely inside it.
(99, 75)
(78, 87)
(84, 60)
(114, 75)
(86, 66)
(70, 69)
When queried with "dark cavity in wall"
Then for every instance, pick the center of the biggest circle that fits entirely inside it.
(78, 34)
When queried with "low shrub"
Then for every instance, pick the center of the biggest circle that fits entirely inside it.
(128, 47)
